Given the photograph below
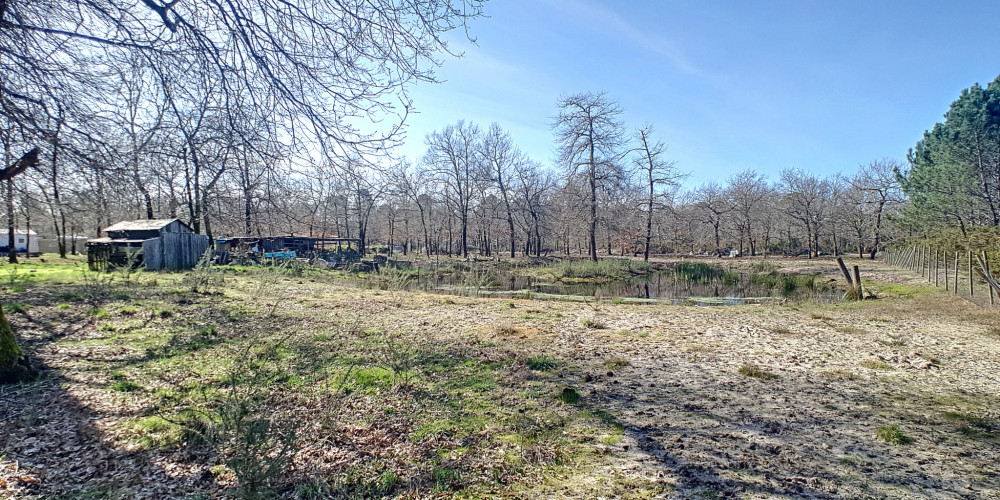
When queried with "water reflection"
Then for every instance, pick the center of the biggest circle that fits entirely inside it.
(661, 286)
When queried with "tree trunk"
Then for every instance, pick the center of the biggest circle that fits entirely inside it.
(11, 249)
(14, 366)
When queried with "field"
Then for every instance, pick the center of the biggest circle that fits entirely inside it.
(299, 383)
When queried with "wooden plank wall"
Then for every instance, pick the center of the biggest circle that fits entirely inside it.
(152, 254)
(174, 251)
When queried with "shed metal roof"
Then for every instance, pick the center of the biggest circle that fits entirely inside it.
(115, 240)
(141, 225)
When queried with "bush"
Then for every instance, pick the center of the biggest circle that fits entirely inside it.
(892, 434)
(254, 441)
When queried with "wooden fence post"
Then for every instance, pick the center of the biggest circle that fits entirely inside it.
(945, 259)
(935, 267)
(986, 264)
(972, 290)
(930, 270)
(956, 273)
(843, 269)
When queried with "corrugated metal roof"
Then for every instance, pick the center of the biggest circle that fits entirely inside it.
(115, 240)
(140, 225)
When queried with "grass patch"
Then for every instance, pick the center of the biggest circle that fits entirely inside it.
(505, 328)
(569, 395)
(593, 324)
(154, 433)
(901, 290)
(125, 386)
(700, 272)
(993, 331)
(753, 371)
(616, 363)
(850, 330)
(128, 310)
(973, 426)
(540, 363)
(892, 434)
(874, 364)
(15, 307)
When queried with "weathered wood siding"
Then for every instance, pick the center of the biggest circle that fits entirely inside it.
(152, 254)
(174, 251)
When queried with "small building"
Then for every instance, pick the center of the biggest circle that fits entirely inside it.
(155, 244)
(250, 249)
(23, 241)
(50, 244)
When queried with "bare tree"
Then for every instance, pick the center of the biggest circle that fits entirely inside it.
(534, 189)
(589, 136)
(747, 190)
(713, 205)
(805, 194)
(500, 156)
(657, 173)
(878, 181)
(451, 155)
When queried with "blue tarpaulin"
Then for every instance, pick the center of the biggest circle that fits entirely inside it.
(280, 255)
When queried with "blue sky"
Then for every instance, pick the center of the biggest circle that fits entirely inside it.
(821, 86)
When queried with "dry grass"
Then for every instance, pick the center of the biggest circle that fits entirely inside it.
(753, 371)
(410, 394)
(874, 364)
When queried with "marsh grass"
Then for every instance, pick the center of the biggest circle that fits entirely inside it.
(700, 272)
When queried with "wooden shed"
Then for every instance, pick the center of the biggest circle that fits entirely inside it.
(155, 244)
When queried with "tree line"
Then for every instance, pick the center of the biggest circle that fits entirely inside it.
(612, 191)
(253, 117)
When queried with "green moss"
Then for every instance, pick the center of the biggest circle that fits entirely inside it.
(13, 365)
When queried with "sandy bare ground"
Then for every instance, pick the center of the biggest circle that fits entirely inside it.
(694, 426)
(927, 364)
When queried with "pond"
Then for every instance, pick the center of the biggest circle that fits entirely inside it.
(681, 283)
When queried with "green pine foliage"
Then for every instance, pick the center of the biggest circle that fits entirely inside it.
(954, 174)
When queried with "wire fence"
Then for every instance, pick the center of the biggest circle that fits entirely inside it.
(966, 273)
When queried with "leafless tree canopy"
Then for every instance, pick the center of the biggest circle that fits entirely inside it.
(256, 117)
